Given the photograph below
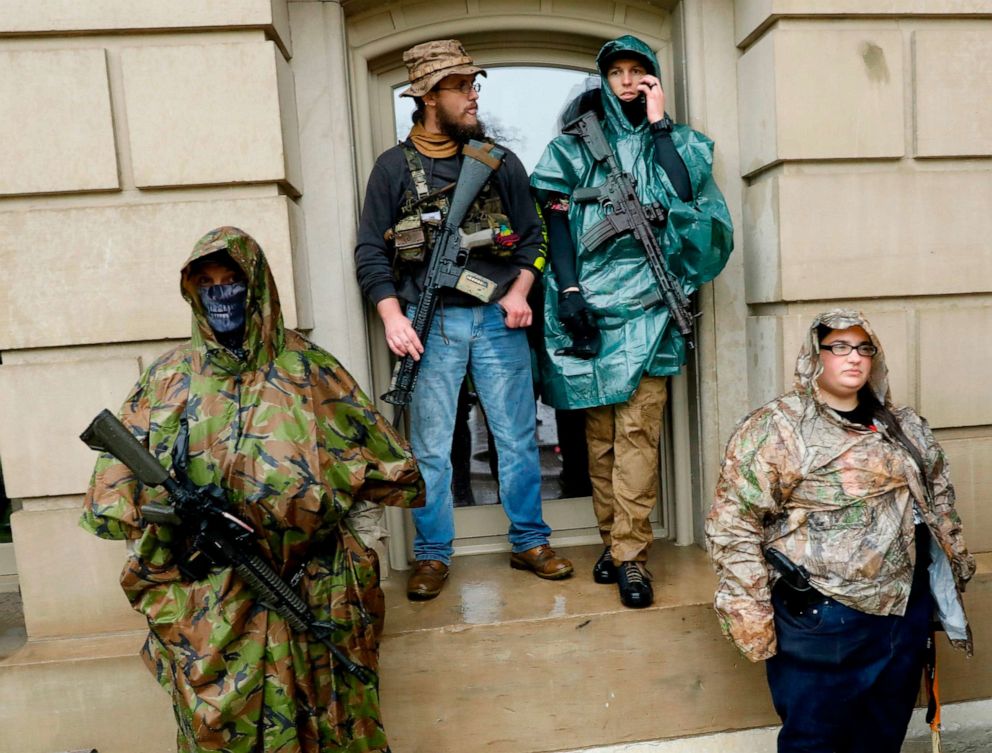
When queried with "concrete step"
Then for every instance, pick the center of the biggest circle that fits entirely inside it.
(504, 661)
(501, 661)
(83, 693)
(508, 663)
(967, 729)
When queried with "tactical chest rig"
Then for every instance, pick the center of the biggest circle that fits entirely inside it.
(486, 229)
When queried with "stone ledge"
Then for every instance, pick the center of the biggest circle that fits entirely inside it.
(85, 692)
(754, 17)
(533, 665)
(485, 590)
(71, 16)
(82, 648)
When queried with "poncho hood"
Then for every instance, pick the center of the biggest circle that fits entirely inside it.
(809, 368)
(264, 331)
(630, 47)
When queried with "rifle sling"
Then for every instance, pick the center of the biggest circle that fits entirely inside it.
(416, 167)
(482, 155)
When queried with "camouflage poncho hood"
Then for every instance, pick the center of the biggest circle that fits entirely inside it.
(264, 332)
(809, 368)
(297, 450)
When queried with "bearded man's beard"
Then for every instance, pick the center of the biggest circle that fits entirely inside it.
(458, 132)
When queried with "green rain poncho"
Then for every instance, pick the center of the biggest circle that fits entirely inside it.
(298, 449)
(697, 240)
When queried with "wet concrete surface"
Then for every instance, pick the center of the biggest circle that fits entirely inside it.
(967, 726)
(967, 729)
(12, 632)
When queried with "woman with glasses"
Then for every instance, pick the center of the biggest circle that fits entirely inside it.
(835, 538)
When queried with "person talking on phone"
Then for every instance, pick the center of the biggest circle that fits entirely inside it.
(606, 349)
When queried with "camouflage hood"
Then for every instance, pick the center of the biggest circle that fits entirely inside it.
(809, 368)
(264, 332)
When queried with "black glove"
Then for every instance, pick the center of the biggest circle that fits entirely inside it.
(580, 323)
(575, 315)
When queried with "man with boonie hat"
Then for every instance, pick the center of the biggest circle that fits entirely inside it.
(429, 62)
(405, 202)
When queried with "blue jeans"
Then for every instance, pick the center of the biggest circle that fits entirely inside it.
(476, 339)
(844, 681)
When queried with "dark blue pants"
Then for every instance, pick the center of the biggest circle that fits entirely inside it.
(844, 681)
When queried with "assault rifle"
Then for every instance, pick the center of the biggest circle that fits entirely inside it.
(449, 256)
(218, 537)
(625, 213)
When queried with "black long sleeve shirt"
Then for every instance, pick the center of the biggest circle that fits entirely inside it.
(388, 185)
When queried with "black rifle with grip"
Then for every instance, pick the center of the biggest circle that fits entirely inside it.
(449, 255)
(218, 537)
(625, 213)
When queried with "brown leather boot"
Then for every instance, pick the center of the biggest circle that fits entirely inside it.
(426, 580)
(543, 562)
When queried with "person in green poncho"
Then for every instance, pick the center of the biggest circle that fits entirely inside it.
(303, 457)
(595, 296)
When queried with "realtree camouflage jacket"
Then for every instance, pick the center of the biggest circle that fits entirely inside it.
(836, 498)
(296, 445)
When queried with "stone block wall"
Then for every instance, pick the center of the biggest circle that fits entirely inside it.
(867, 159)
(128, 129)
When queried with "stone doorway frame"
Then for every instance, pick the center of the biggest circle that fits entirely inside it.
(372, 37)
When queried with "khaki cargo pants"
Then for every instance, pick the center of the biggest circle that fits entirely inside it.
(623, 466)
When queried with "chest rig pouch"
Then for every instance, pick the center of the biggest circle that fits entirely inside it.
(486, 229)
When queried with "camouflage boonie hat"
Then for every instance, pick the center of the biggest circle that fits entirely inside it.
(429, 62)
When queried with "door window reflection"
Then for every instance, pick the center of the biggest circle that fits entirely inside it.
(519, 106)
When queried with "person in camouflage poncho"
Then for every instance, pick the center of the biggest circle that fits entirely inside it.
(855, 491)
(302, 455)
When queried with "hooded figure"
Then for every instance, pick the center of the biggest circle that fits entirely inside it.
(697, 240)
(303, 457)
(861, 500)
(595, 297)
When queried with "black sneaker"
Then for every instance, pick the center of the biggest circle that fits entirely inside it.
(604, 571)
(634, 582)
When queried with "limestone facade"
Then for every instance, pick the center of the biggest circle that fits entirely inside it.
(866, 163)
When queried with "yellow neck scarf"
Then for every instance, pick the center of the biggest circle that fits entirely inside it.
(433, 145)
